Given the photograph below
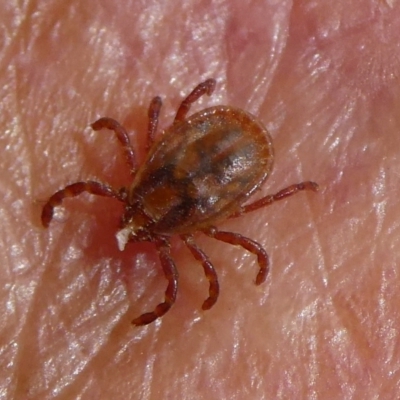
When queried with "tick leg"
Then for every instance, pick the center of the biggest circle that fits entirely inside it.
(206, 87)
(154, 112)
(171, 274)
(282, 194)
(248, 244)
(74, 190)
(209, 271)
(122, 137)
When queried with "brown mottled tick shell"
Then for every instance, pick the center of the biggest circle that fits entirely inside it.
(202, 170)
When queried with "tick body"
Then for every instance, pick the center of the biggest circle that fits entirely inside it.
(199, 172)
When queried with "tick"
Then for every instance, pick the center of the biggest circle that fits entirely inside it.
(199, 172)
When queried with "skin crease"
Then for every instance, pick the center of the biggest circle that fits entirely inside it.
(324, 80)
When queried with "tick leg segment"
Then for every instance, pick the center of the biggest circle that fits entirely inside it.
(282, 194)
(122, 137)
(154, 112)
(250, 245)
(171, 274)
(75, 189)
(206, 87)
(209, 271)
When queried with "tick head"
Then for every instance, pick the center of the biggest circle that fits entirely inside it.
(135, 227)
(131, 233)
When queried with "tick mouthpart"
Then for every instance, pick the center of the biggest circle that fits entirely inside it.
(123, 236)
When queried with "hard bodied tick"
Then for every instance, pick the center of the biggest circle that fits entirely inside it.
(199, 172)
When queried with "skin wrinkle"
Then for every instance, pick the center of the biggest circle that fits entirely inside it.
(323, 78)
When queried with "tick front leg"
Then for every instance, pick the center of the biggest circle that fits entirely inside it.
(282, 194)
(206, 87)
(122, 137)
(209, 271)
(153, 113)
(171, 274)
(74, 190)
(248, 244)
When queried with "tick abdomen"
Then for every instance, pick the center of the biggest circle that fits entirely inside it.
(201, 170)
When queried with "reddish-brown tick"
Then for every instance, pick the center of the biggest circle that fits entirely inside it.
(199, 172)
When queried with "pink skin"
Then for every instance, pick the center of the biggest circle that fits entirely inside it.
(325, 322)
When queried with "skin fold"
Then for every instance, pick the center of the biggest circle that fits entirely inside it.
(324, 78)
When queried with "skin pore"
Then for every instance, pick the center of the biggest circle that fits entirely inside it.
(324, 80)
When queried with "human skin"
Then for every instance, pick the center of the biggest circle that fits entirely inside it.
(323, 77)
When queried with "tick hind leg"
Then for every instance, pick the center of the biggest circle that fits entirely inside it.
(171, 274)
(282, 194)
(122, 137)
(248, 244)
(206, 87)
(74, 190)
(209, 271)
